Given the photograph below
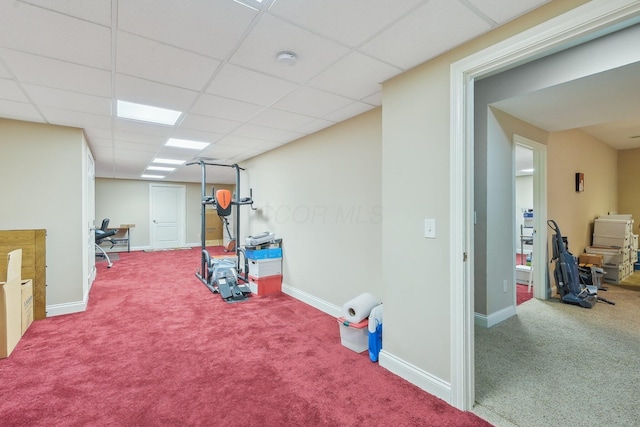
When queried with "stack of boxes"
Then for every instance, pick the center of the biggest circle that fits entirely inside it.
(613, 238)
(265, 267)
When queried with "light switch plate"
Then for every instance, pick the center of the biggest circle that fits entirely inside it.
(430, 228)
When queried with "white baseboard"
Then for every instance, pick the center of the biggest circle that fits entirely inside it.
(405, 370)
(66, 308)
(313, 301)
(487, 321)
(414, 375)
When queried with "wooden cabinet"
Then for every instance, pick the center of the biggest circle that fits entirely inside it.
(33, 245)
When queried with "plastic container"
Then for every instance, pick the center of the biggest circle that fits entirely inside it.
(375, 332)
(354, 336)
(264, 253)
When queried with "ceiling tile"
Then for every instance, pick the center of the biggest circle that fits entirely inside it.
(315, 126)
(75, 118)
(19, 111)
(101, 142)
(4, 73)
(139, 138)
(221, 151)
(98, 11)
(349, 22)
(266, 133)
(60, 74)
(94, 133)
(54, 35)
(9, 90)
(432, 29)
(375, 99)
(272, 35)
(159, 62)
(501, 11)
(207, 27)
(279, 119)
(250, 86)
(312, 102)
(146, 92)
(68, 100)
(196, 135)
(225, 108)
(240, 141)
(349, 111)
(133, 126)
(208, 124)
(345, 77)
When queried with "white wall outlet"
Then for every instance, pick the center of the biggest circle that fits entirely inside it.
(430, 228)
(504, 286)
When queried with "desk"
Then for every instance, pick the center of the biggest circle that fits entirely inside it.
(121, 238)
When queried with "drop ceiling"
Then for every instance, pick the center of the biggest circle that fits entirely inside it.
(66, 62)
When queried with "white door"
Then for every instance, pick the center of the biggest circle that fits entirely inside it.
(167, 215)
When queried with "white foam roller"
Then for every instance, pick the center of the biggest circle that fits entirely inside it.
(358, 309)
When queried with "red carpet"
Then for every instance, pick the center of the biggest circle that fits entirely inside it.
(522, 294)
(156, 348)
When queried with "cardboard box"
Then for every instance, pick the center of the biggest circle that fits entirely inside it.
(595, 259)
(615, 274)
(265, 267)
(612, 227)
(612, 242)
(10, 299)
(610, 256)
(265, 286)
(27, 304)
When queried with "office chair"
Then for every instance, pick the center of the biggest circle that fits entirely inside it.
(102, 234)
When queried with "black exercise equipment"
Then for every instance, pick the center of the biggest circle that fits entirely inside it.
(221, 275)
(102, 234)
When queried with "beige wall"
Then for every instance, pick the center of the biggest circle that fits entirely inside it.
(575, 151)
(629, 185)
(321, 195)
(126, 201)
(43, 170)
(415, 174)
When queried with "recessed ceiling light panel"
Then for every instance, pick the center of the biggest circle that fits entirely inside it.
(253, 4)
(151, 176)
(168, 161)
(147, 113)
(185, 143)
(160, 168)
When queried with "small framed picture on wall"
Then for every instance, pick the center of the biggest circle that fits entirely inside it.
(579, 182)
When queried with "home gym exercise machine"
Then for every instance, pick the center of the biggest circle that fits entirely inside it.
(221, 275)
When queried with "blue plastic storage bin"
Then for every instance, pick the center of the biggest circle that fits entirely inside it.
(264, 253)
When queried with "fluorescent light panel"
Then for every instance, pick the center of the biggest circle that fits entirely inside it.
(160, 168)
(253, 4)
(147, 113)
(185, 143)
(144, 175)
(169, 161)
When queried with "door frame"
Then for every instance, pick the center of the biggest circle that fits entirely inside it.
(539, 213)
(591, 20)
(182, 212)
